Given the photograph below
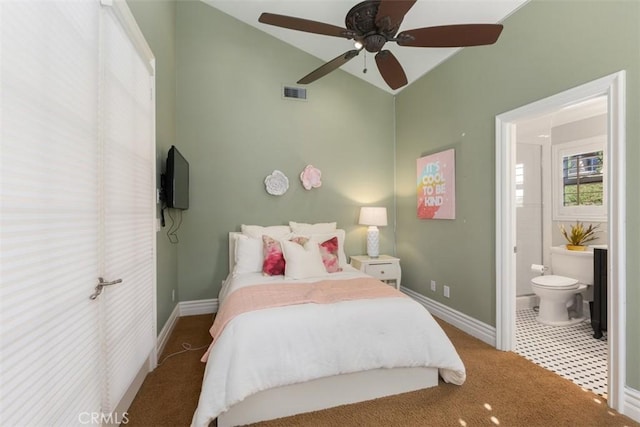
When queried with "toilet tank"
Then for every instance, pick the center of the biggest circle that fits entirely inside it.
(574, 264)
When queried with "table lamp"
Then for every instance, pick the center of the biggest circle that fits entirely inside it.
(373, 217)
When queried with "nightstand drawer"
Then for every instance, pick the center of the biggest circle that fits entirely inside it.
(383, 271)
(385, 267)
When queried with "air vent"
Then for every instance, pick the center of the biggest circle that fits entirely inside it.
(296, 93)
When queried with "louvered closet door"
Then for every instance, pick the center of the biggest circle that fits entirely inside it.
(77, 203)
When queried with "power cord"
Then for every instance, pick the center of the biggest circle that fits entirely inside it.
(187, 347)
(171, 232)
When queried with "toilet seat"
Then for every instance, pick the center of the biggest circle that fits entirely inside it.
(555, 282)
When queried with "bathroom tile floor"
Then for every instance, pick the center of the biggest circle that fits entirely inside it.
(570, 352)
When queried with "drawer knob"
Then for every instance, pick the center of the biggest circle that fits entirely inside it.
(382, 272)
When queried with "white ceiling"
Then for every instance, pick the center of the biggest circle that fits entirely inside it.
(415, 61)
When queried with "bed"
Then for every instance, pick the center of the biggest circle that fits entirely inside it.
(285, 357)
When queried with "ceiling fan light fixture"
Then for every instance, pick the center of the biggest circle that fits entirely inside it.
(373, 23)
(374, 42)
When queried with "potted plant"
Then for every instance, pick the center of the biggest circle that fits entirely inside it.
(579, 235)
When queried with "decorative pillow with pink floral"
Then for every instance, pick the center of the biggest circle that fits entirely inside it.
(329, 252)
(274, 264)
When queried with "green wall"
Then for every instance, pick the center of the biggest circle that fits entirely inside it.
(546, 47)
(157, 20)
(234, 128)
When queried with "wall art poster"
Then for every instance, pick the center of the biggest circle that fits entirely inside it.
(436, 186)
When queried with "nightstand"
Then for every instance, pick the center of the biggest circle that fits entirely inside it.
(385, 267)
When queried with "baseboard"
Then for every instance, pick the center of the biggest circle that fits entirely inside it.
(167, 329)
(468, 324)
(526, 301)
(194, 308)
(185, 308)
(631, 404)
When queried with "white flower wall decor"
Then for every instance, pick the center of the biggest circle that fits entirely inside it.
(311, 177)
(277, 183)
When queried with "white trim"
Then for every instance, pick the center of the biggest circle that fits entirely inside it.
(612, 86)
(167, 329)
(632, 404)
(194, 308)
(123, 14)
(617, 254)
(505, 236)
(468, 324)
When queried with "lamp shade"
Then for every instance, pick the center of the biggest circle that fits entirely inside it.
(373, 216)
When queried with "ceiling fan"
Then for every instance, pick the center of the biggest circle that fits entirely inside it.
(372, 23)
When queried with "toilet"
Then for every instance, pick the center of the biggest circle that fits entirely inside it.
(572, 274)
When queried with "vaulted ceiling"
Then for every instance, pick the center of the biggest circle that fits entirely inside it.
(416, 61)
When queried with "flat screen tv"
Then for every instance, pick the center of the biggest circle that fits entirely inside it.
(176, 180)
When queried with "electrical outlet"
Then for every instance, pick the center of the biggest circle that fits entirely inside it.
(446, 291)
(433, 285)
(173, 295)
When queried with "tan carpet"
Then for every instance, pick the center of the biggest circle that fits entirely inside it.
(501, 389)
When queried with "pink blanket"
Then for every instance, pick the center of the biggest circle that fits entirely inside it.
(259, 297)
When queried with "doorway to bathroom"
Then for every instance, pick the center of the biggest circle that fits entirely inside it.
(516, 249)
(559, 179)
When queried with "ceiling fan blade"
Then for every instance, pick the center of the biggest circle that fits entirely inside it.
(390, 69)
(391, 13)
(305, 25)
(325, 69)
(451, 35)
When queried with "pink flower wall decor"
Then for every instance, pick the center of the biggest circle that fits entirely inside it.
(311, 177)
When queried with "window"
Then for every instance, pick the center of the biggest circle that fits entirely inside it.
(582, 179)
(579, 180)
(519, 185)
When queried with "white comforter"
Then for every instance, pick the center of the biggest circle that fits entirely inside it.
(286, 345)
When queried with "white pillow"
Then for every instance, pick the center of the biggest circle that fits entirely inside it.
(320, 227)
(302, 262)
(322, 237)
(257, 231)
(248, 255)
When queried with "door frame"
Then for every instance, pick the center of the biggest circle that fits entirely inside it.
(613, 87)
